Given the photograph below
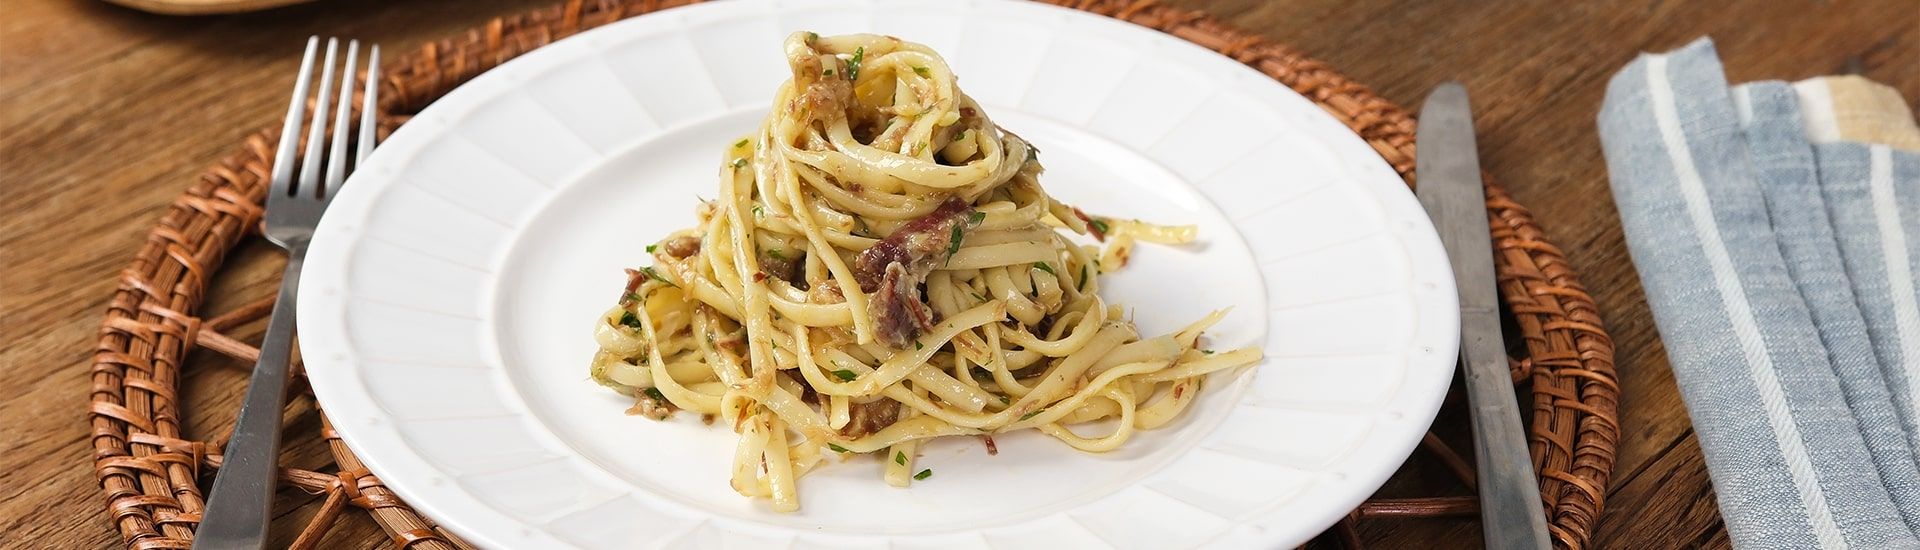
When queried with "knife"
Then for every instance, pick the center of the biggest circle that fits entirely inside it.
(1448, 167)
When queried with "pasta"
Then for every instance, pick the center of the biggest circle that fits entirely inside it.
(882, 267)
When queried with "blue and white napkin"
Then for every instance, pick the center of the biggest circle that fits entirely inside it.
(1776, 229)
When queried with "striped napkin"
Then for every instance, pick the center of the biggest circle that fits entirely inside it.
(1776, 229)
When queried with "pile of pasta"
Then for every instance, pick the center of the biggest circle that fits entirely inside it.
(882, 267)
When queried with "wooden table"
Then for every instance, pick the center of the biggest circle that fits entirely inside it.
(105, 113)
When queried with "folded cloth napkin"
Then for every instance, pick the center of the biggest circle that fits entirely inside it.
(1776, 230)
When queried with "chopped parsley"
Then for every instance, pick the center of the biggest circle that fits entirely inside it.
(740, 162)
(978, 297)
(628, 319)
(656, 276)
(918, 346)
(976, 217)
(922, 71)
(1032, 154)
(758, 213)
(927, 473)
(741, 143)
(1032, 414)
(813, 36)
(651, 247)
(1005, 401)
(836, 448)
(775, 252)
(900, 458)
(829, 72)
(953, 247)
(655, 394)
(853, 66)
(1044, 267)
(845, 375)
(1083, 279)
(1207, 351)
(1098, 225)
(633, 296)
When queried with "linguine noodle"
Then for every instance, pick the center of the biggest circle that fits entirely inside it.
(882, 267)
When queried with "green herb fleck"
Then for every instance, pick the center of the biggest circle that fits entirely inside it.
(1005, 401)
(927, 473)
(918, 346)
(845, 375)
(1032, 154)
(656, 276)
(1207, 351)
(836, 448)
(900, 458)
(740, 162)
(922, 71)
(1032, 414)
(1098, 225)
(976, 217)
(741, 143)
(978, 297)
(631, 296)
(628, 319)
(655, 394)
(775, 252)
(813, 36)
(954, 245)
(1083, 279)
(1044, 267)
(853, 67)
(651, 247)
(829, 72)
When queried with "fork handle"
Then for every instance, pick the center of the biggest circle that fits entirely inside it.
(243, 491)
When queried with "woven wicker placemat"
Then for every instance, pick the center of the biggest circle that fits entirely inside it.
(152, 476)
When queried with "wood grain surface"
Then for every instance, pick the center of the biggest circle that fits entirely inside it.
(106, 113)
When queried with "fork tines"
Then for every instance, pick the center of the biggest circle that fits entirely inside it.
(326, 102)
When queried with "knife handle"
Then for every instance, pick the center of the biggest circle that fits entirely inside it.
(1511, 509)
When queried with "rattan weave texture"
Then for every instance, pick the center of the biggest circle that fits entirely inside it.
(152, 475)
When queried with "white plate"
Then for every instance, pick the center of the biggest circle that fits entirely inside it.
(449, 294)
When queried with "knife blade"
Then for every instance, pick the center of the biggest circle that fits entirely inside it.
(1449, 188)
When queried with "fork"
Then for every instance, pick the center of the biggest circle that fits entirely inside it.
(242, 499)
